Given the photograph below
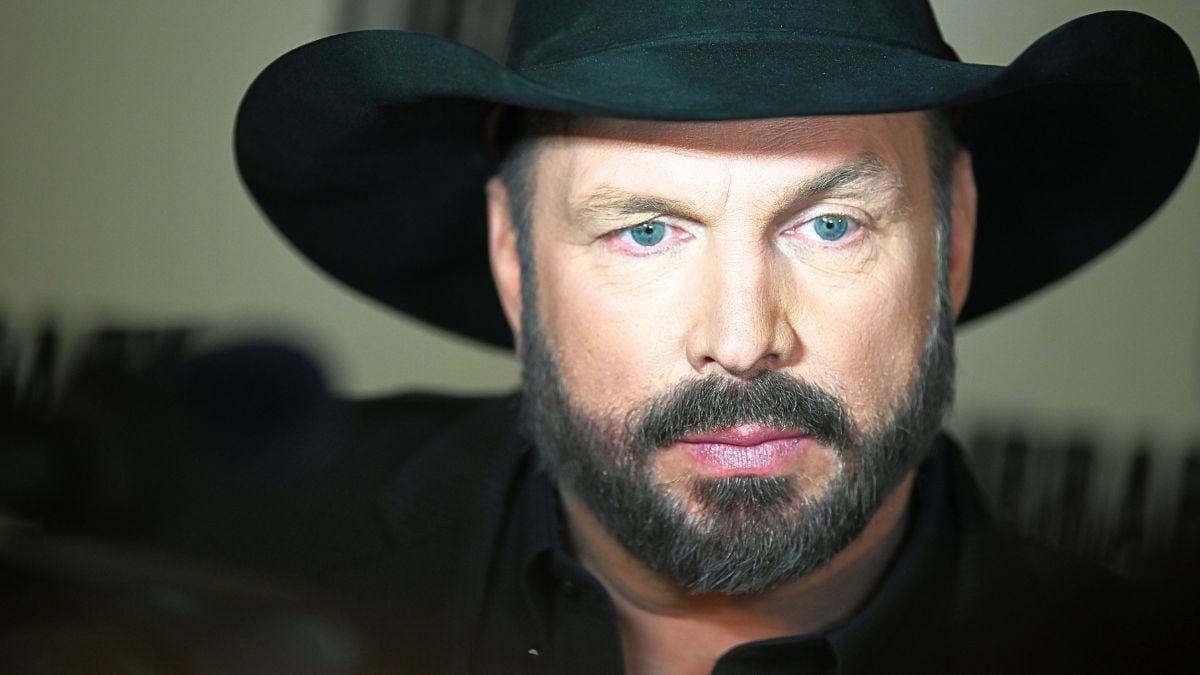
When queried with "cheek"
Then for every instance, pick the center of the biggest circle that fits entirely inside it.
(870, 341)
(617, 340)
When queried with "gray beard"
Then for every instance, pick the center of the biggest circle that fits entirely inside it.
(749, 534)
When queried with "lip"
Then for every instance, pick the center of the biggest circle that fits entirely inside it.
(745, 450)
(744, 436)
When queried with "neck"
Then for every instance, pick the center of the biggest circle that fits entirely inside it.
(664, 624)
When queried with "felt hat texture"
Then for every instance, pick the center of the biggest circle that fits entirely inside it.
(369, 151)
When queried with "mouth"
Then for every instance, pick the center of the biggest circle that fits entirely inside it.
(747, 450)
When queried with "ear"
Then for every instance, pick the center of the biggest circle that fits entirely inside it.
(502, 251)
(962, 230)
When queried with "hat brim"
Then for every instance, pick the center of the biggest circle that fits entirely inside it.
(368, 150)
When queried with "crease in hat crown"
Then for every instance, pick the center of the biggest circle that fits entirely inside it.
(550, 31)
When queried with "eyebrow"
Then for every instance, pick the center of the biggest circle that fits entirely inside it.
(865, 173)
(611, 202)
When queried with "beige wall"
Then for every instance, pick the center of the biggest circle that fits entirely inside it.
(119, 202)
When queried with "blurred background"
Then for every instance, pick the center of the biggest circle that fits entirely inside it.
(127, 240)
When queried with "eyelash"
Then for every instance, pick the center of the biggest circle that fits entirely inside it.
(621, 236)
(854, 232)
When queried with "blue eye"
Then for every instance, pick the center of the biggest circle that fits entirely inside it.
(832, 227)
(648, 234)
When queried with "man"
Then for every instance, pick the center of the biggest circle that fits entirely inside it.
(730, 242)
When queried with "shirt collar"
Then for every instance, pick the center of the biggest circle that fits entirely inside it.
(926, 560)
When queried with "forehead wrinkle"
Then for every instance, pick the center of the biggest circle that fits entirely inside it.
(866, 174)
(610, 201)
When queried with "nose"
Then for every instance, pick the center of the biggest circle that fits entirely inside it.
(744, 315)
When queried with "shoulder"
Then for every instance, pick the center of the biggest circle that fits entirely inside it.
(380, 435)
(393, 446)
(1021, 605)
(1045, 610)
(422, 413)
(330, 511)
(414, 561)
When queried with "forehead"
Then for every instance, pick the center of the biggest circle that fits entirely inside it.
(584, 152)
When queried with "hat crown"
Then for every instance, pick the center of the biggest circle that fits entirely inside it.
(548, 31)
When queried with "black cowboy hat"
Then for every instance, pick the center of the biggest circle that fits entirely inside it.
(369, 150)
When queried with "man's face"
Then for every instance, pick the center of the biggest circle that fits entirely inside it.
(733, 343)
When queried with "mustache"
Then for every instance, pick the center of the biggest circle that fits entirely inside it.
(770, 399)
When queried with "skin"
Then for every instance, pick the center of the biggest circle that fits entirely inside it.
(739, 285)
